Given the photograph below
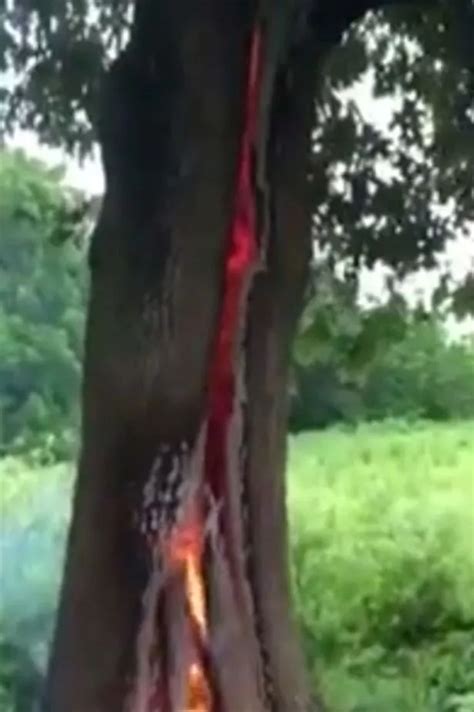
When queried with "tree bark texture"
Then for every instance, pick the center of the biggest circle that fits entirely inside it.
(170, 128)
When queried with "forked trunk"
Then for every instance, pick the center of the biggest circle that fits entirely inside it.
(167, 627)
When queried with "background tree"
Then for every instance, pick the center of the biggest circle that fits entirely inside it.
(168, 118)
(42, 301)
(382, 361)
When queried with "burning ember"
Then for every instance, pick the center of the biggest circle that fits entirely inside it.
(185, 552)
(199, 694)
(171, 672)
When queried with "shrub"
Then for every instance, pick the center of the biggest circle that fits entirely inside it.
(383, 565)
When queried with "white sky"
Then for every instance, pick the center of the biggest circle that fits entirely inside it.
(87, 177)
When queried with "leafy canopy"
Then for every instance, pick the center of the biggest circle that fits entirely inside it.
(396, 194)
(42, 298)
(395, 197)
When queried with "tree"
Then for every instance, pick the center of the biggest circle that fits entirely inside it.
(168, 112)
(42, 304)
(354, 363)
(337, 343)
(397, 196)
(422, 376)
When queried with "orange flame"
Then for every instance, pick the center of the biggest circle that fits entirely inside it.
(185, 553)
(199, 697)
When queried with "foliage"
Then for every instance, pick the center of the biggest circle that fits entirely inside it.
(383, 363)
(42, 297)
(334, 331)
(55, 54)
(382, 522)
(396, 194)
(422, 376)
(20, 681)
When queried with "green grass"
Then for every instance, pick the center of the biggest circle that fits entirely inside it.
(382, 522)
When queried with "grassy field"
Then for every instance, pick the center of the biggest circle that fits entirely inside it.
(383, 556)
(382, 537)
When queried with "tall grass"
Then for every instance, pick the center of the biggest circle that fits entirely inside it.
(382, 522)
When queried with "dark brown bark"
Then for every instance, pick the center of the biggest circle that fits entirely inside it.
(169, 134)
(170, 131)
(275, 307)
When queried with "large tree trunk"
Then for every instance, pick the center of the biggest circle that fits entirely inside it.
(170, 133)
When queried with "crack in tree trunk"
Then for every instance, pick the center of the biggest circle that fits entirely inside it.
(170, 138)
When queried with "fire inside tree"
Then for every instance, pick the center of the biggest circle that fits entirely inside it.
(188, 498)
(174, 613)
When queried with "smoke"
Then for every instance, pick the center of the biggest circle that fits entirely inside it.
(35, 509)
